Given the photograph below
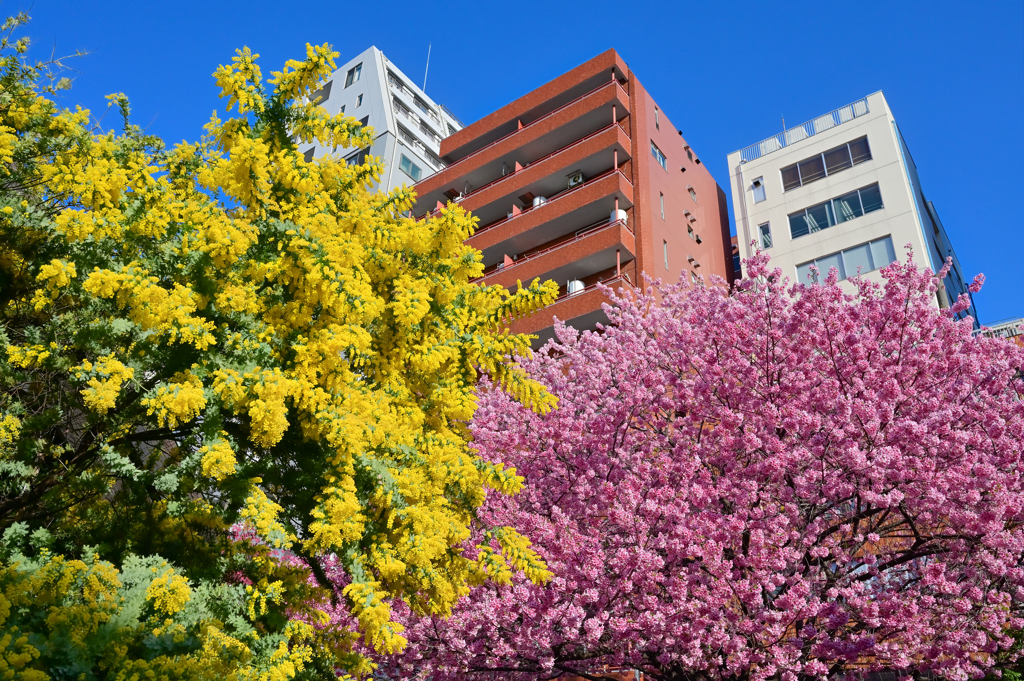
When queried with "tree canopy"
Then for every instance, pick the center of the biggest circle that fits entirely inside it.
(778, 481)
(218, 356)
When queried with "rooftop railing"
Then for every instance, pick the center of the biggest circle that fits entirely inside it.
(805, 130)
(1007, 328)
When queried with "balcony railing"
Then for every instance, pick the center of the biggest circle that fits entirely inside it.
(533, 163)
(1007, 328)
(420, 104)
(544, 117)
(552, 198)
(584, 233)
(604, 282)
(805, 130)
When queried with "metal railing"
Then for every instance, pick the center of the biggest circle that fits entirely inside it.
(551, 199)
(534, 163)
(605, 282)
(805, 130)
(586, 232)
(1006, 328)
(542, 118)
(454, 117)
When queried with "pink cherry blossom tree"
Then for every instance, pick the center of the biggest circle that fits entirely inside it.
(781, 481)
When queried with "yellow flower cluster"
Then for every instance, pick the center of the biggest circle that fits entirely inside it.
(317, 319)
(152, 306)
(27, 356)
(177, 402)
(374, 616)
(57, 274)
(218, 460)
(257, 597)
(107, 376)
(169, 592)
(10, 428)
(261, 514)
(240, 82)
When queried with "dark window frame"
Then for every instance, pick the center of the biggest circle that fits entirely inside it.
(830, 211)
(854, 161)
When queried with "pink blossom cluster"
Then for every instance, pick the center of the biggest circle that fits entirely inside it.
(774, 481)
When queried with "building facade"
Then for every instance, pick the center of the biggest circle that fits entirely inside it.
(840, 191)
(584, 180)
(408, 125)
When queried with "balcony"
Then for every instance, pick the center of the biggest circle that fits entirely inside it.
(581, 310)
(563, 214)
(592, 156)
(536, 104)
(413, 99)
(562, 127)
(577, 256)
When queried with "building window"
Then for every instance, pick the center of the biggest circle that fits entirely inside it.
(850, 262)
(307, 155)
(662, 205)
(660, 157)
(764, 235)
(359, 101)
(358, 158)
(657, 119)
(364, 121)
(342, 109)
(320, 96)
(693, 195)
(664, 252)
(689, 231)
(689, 153)
(825, 164)
(758, 186)
(693, 277)
(410, 168)
(354, 74)
(836, 211)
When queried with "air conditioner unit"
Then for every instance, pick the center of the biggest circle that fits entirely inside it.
(575, 286)
(575, 179)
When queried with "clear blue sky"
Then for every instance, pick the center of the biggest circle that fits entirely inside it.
(724, 72)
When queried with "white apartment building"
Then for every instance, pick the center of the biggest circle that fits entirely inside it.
(840, 191)
(408, 125)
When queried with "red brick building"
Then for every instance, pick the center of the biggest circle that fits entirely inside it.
(584, 180)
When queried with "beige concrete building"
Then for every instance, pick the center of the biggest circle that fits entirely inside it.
(839, 191)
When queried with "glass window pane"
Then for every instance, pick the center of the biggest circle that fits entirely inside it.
(812, 169)
(759, 192)
(871, 198)
(847, 207)
(882, 252)
(790, 178)
(860, 150)
(765, 232)
(797, 225)
(837, 159)
(817, 218)
(829, 261)
(857, 259)
(803, 273)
